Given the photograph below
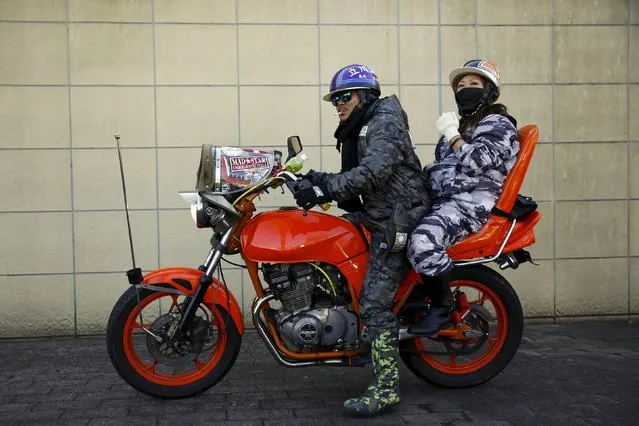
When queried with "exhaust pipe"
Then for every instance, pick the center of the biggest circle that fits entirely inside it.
(263, 332)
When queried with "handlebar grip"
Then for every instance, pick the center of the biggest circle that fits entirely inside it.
(291, 185)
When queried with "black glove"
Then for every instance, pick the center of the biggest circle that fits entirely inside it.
(308, 195)
(313, 176)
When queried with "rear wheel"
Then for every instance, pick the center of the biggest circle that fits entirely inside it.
(494, 328)
(147, 357)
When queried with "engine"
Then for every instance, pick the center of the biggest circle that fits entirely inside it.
(314, 312)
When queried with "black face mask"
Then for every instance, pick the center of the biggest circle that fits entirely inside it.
(468, 100)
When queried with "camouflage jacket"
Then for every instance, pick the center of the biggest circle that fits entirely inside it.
(479, 168)
(388, 173)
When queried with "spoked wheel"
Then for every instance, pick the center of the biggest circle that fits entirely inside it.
(486, 342)
(148, 353)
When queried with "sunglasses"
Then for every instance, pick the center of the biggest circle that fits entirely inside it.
(344, 96)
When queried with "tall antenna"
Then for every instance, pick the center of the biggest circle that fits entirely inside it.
(126, 204)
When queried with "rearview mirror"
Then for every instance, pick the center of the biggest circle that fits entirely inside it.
(294, 146)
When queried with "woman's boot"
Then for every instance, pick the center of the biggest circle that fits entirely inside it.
(384, 388)
(441, 301)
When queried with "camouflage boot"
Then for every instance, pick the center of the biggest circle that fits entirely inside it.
(384, 389)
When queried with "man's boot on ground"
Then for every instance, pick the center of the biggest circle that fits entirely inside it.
(384, 388)
(441, 301)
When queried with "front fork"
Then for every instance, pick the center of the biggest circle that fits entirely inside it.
(211, 263)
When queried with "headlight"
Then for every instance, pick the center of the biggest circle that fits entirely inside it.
(206, 213)
(206, 216)
(195, 203)
(194, 210)
(197, 213)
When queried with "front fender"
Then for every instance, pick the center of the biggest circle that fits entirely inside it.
(186, 281)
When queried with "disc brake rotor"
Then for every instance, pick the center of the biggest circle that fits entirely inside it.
(171, 352)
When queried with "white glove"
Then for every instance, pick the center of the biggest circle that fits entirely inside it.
(448, 125)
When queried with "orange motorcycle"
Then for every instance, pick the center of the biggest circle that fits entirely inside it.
(177, 331)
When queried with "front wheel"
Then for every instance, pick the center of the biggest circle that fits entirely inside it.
(495, 326)
(143, 351)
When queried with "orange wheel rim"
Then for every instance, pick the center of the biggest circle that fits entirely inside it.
(495, 343)
(148, 370)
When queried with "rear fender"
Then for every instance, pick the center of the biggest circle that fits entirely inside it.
(523, 235)
(488, 240)
(186, 281)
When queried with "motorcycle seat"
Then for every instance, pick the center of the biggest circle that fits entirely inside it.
(487, 241)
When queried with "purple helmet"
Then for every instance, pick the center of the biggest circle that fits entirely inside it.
(353, 77)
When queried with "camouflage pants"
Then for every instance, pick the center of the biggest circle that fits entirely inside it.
(447, 223)
(384, 275)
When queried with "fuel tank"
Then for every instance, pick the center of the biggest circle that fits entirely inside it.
(291, 236)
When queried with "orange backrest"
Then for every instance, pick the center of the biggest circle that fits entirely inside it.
(528, 136)
(487, 240)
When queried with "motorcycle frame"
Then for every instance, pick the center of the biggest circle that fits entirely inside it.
(201, 280)
(482, 247)
(202, 286)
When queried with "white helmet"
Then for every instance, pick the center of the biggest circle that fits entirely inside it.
(488, 72)
(478, 67)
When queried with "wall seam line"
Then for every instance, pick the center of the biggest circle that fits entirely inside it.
(439, 58)
(119, 272)
(239, 116)
(306, 24)
(476, 28)
(553, 137)
(124, 85)
(155, 119)
(399, 56)
(302, 24)
(267, 145)
(73, 260)
(265, 206)
(628, 164)
(319, 81)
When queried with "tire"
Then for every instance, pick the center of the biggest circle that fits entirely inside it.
(500, 352)
(145, 377)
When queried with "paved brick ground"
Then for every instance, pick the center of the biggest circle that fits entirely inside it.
(564, 374)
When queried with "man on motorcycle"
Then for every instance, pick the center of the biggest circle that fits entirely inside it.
(472, 159)
(379, 164)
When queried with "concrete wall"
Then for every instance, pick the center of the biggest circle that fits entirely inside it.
(170, 75)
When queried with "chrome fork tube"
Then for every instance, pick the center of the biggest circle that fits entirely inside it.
(215, 254)
(205, 281)
(208, 260)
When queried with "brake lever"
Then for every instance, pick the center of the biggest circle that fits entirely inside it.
(289, 176)
(291, 180)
